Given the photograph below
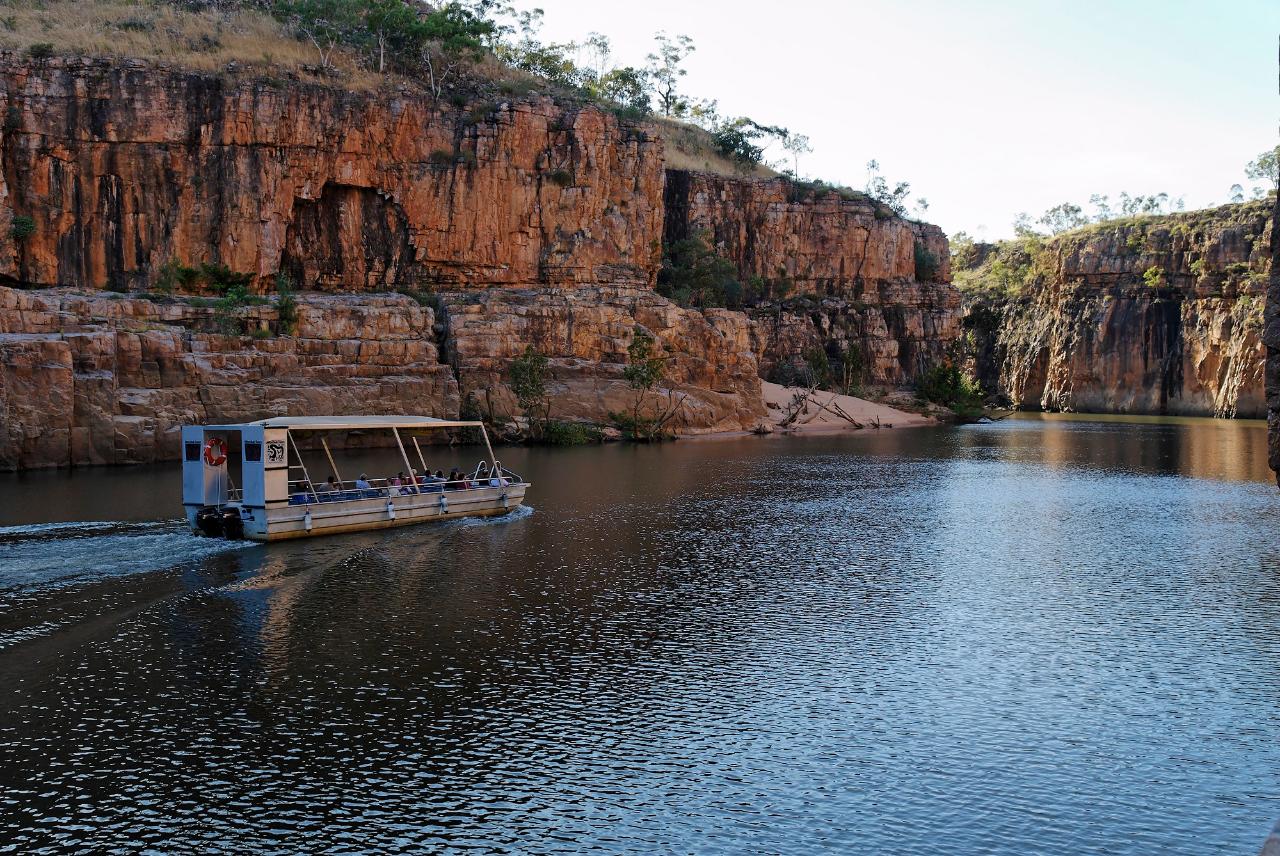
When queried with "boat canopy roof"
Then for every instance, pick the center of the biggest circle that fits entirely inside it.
(352, 423)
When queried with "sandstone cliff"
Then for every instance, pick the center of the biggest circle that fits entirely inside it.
(527, 222)
(860, 277)
(1151, 315)
(124, 167)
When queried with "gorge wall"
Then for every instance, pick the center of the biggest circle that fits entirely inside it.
(858, 275)
(1155, 315)
(512, 222)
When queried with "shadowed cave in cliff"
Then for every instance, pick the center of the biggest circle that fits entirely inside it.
(350, 238)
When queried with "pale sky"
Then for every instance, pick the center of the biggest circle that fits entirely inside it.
(988, 107)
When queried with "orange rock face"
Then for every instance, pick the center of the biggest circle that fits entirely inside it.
(1097, 333)
(585, 333)
(826, 245)
(851, 265)
(123, 168)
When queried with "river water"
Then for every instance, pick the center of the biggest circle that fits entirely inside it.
(1047, 635)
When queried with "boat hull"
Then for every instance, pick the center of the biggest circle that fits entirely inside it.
(288, 522)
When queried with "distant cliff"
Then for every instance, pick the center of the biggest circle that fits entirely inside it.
(1149, 315)
(511, 223)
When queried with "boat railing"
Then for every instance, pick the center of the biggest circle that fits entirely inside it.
(387, 489)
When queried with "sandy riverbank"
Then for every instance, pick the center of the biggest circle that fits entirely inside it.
(823, 413)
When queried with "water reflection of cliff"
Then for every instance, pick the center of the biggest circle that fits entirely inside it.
(1232, 450)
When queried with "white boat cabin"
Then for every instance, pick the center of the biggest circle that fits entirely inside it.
(252, 480)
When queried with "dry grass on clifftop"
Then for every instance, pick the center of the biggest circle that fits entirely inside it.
(202, 40)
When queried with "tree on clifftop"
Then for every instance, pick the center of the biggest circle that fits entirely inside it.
(1265, 168)
(665, 71)
(878, 189)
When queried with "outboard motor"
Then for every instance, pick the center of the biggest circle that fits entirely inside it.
(232, 525)
(209, 521)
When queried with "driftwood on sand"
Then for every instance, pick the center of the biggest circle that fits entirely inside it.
(801, 402)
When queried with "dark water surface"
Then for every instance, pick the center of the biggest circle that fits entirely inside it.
(1040, 636)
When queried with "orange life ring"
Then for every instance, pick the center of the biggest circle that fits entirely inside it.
(218, 458)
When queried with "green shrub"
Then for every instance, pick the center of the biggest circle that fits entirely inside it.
(817, 368)
(1154, 277)
(630, 112)
(945, 384)
(480, 113)
(926, 263)
(440, 157)
(693, 274)
(175, 276)
(517, 87)
(853, 369)
(286, 304)
(561, 177)
(223, 279)
(40, 50)
(557, 433)
(22, 227)
(527, 377)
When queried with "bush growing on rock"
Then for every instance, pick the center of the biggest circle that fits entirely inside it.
(926, 263)
(22, 227)
(650, 415)
(557, 433)
(527, 377)
(1154, 277)
(286, 304)
(945, 384)
(694, 275)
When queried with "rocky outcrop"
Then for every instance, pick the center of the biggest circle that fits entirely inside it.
(1157, 315)
(585, 332)
(856, 275)
(123, 167)
(87, 379)
(97, 379)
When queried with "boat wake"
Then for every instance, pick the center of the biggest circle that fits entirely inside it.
(52, 555)
(520, 513)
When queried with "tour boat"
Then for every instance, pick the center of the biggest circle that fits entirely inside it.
(276, 496)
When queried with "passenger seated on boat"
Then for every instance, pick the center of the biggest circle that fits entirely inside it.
(306, 493)
(404, 483)
(456, 482)
(362, 483)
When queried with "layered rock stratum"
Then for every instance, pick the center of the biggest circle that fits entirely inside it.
(1154, 315)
